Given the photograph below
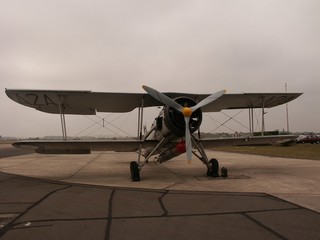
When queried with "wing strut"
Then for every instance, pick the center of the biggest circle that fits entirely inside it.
(263, 113)
(251, 122)
(140, 122)
(63, 122)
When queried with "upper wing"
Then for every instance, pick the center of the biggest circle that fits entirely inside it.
(88, 103)
(249, 100)
(78, 102)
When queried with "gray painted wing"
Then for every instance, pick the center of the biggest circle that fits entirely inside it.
(248, 141)
(88, 103)
(78, 102)
(85, 147)
(249, 100)
(78, 147)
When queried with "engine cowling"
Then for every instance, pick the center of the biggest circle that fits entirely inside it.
(174, 120)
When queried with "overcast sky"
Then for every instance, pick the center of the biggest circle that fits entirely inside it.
(171, 45)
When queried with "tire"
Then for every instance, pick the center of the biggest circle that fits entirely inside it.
(214, 171)
(135, 172)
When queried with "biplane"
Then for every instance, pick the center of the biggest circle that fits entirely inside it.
(173, 132)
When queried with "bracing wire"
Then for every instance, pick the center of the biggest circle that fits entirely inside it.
(103, 123)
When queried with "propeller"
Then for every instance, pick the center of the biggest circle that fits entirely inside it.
(186, 111)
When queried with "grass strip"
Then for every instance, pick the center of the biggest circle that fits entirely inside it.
(301, 151)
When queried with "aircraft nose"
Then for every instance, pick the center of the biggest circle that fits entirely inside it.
(187, 112)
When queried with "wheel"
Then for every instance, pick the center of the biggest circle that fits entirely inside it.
(214, 170)
(135, 172)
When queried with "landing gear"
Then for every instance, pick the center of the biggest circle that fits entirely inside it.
(135, 171)
(213, 170)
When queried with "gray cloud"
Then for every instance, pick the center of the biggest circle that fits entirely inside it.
(187, 46)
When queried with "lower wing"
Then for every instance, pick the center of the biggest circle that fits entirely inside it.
(248, 141)
(85, 147)
(82, 147)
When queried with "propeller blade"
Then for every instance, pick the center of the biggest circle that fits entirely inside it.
(208, 100)
(188, 140)
(162, 98)
(186, 111)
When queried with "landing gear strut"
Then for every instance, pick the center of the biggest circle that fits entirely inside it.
(135, 171)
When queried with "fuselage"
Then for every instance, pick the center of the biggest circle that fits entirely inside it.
(169, 129)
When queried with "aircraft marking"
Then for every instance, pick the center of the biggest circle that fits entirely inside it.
(34, 99)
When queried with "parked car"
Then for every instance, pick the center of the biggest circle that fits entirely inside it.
(312, 138)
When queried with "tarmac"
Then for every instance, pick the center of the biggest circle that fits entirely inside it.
(92, 197)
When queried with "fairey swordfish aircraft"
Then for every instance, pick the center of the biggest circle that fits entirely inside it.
(171, 134)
